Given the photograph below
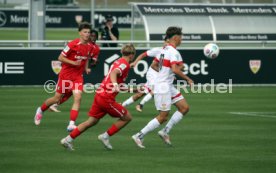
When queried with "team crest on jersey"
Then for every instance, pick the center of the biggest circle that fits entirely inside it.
(122, 66)
(66, 49)
(56, 66)
(255, 65)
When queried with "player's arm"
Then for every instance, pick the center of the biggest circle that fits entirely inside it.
(140, 57)
(63, 59)
(155, 65)
(178, 72)
(181, 66)
(87, 69)
(94, 58)
(113, 77)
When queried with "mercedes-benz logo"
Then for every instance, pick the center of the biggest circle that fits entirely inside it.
(3, 18)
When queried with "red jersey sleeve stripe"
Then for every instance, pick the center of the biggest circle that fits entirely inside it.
(63, 53)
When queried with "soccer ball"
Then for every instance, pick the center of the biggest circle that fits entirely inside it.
(211, 50)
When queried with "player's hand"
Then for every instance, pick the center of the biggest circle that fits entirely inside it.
(190, 82)
(132, 65)
(88, 70)
(94, 61)
(116, 87)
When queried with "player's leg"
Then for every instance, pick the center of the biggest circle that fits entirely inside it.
(182, 108)
(63, 99)
(163, 104)
(45, 106)
(118, 111)
(67, 141)
(63, 86)
(148, 87)
(146, 98)
(95, 114)
(54, 108)
(77, 94)
(132, 99)
(152, 125)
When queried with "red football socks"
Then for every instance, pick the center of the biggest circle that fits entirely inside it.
(44, 107)
(75, 133)
(74, 115)
(112, 130)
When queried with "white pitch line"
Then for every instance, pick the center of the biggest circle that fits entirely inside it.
(255, 114)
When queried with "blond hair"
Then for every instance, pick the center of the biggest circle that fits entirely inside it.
(128, 49)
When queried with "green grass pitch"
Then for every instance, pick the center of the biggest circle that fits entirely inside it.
(208, 140)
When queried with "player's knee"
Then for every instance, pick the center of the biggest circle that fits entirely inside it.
(56, 99)
(77, 98)
(90, 122)
(137, 96)
(184, 109)
(128, 117)
(162, 118)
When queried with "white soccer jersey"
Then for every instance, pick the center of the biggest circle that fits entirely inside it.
(151, 74)
(165, 94)
(168, 56)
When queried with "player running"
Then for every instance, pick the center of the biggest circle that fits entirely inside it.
(74, 58)
(150, 76)
(94, 54)
(165, 94)
(104, 101)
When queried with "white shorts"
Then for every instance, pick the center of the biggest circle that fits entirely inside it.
(165, 95)
(150, 76)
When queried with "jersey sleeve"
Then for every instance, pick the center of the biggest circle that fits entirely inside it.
(176, 58)
(95, 52)
(121, 67)
(68, 48)
(154, 52)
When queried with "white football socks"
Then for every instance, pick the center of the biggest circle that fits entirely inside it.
(153, 124)
(105, 135)
(146, 99)
(128, 101)
(176, 117)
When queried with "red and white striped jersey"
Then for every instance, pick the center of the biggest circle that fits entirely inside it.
(168, 56)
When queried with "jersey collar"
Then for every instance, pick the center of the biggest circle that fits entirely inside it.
(171, 45)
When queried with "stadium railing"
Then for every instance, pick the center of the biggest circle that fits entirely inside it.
(140, 43)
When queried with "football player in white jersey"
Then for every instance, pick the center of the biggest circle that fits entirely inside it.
(165, 94)
(150, 76)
